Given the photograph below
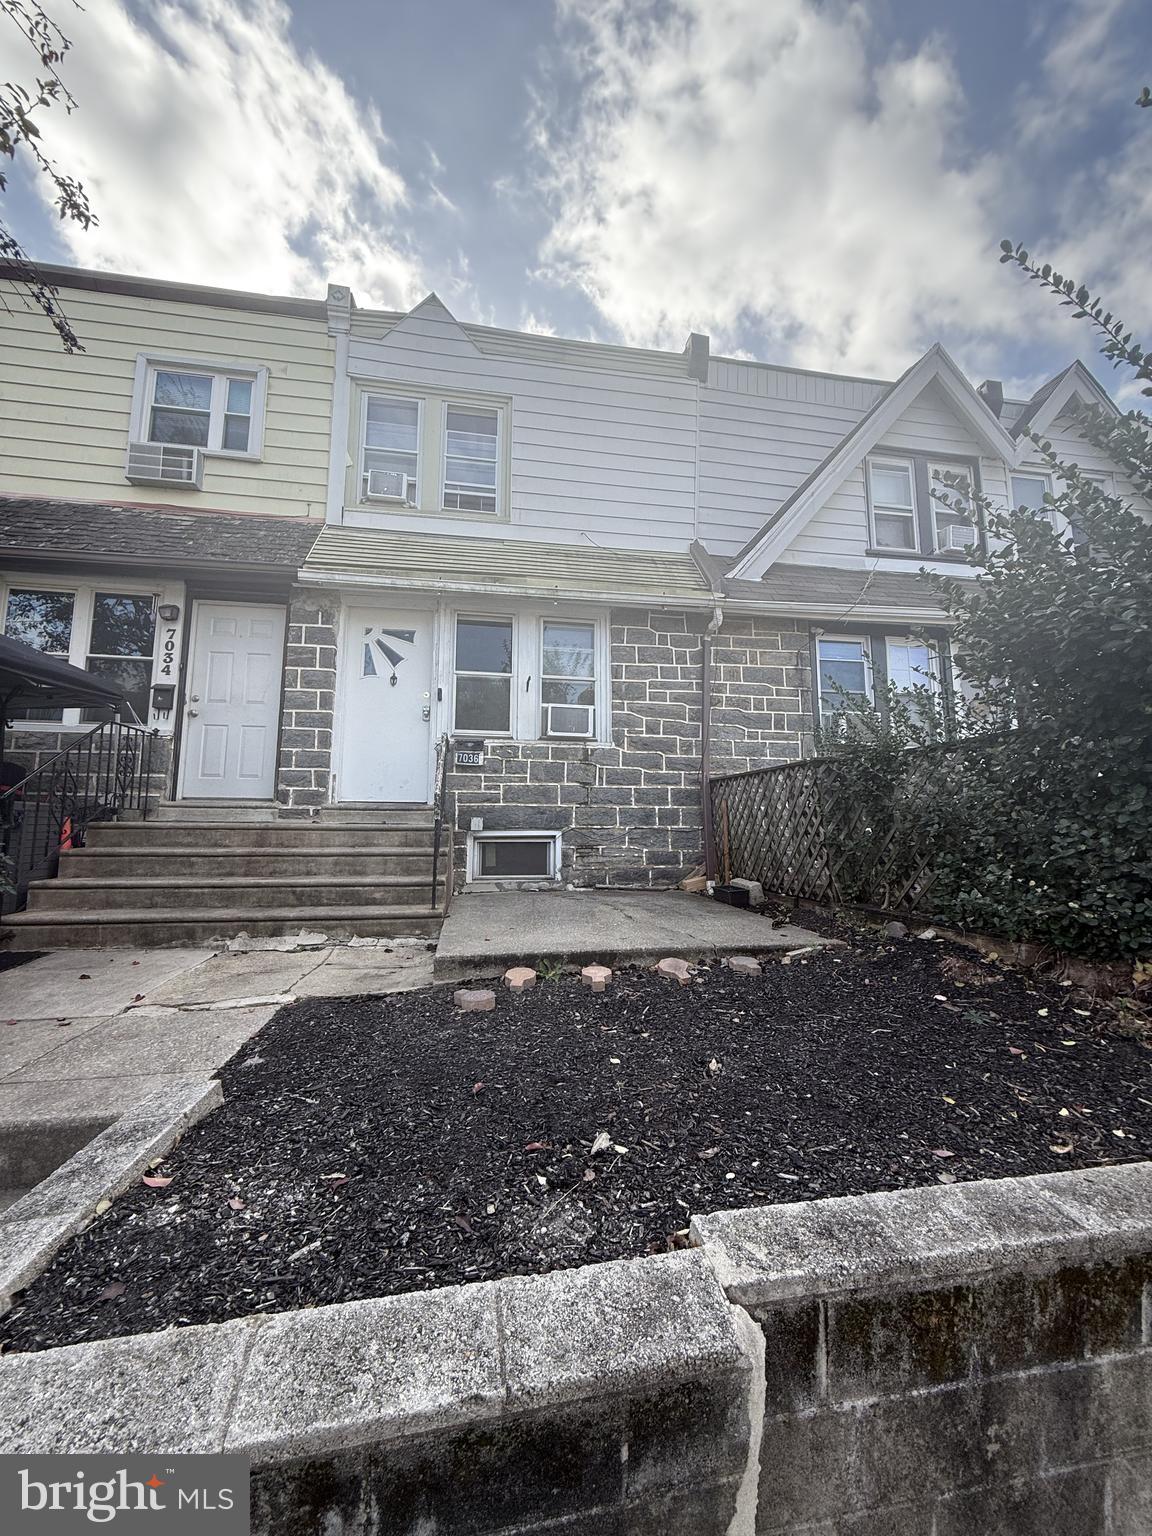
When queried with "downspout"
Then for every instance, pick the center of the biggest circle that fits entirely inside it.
(710, 632)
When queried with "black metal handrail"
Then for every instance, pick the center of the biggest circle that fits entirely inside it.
(439, 802)
(102, 774)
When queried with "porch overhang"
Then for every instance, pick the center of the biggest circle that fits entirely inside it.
(413, 562)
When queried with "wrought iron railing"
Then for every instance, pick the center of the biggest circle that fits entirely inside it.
(439, 804)
(99, 777)
(824, 831)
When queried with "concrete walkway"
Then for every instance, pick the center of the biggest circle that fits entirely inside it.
(87, 1033)
(489, 930)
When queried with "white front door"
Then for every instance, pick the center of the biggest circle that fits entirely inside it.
(386, 671)
(232, 709)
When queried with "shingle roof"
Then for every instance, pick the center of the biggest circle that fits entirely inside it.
(433, 561)
(150, 535)
(823, 592)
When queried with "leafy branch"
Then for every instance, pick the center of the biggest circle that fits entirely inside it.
(19, 129)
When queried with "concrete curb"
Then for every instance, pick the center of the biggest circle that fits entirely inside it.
(41, 1221)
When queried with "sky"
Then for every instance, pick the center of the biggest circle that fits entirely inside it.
(821, 183)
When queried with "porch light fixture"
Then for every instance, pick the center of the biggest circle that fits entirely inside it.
(169, 612)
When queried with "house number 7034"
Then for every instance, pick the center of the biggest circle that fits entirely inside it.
(167, 653)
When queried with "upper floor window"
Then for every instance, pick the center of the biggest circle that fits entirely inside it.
(432, 453)
(892, 497)
(954, 516)
(217, 407)
(1029, 491)
(471, 459)
(390, 456)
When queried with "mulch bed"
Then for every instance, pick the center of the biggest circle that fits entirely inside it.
(369, 1146)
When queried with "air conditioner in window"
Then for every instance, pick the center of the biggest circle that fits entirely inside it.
(165, 464)
(386, 485)
(957, 536)
(576, 720)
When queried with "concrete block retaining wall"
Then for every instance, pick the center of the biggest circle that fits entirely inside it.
(953, 1361)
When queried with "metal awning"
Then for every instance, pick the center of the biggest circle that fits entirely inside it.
(32, 680)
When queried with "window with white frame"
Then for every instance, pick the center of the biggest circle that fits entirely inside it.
(892, 501)
(430, 452)
(471, 458)
(514, 856)
(913, 665)
(954, 518)
(390, 449)
(217, 407)
(482, 691)
(568, 678)
(1029, 490)
(843, 676)
(107, 631)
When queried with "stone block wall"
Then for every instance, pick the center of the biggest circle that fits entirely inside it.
(953, 1361)
(631, 813)
(32, 748)
(304, 776)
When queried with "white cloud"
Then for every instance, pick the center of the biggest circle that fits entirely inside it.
(214, 151)
(1082, 65)
(763, 170)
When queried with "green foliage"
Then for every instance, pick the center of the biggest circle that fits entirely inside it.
(1039, 819)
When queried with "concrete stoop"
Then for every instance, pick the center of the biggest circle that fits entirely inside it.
(192, 877)
(960, 1359)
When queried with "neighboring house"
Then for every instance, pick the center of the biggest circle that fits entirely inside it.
(592, 568)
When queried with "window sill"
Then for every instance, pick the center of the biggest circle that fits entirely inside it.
(950, 557)
(386, 507)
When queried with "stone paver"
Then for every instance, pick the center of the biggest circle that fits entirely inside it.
(679, 970)
(521, 978)
(89, 983)
(24, 1040)
(473, 1001)
(596, 976)
(361, 972)
(744, 965)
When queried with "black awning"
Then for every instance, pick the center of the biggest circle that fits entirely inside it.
(32, 680)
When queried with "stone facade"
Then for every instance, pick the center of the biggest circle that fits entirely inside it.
(631, 814)
(33, 747)
(304, 779)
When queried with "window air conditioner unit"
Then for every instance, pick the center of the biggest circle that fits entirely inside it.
(957, 536)
(165, 464)
(387, 485)
(577, 720)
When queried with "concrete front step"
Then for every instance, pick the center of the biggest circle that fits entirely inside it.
(101, 863)
(214, 836)
(216, 810)
(208, 928)
(175, 895)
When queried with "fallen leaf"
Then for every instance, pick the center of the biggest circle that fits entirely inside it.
(946, 1099)
(708, 1153)
(589, 1176)
(714, 1068)
(236, 1203)
(942, 1152)
(102, 1206)
(1060, 1147)
(476, 1087)
(139, 998)
(110, 1292)
(1042, 1013)
(616, 1147)
(946, 1178)
(84, 976)
(1069, 1042)
(601, 1142)
(157, 1180)
(1083, 1013)
(1121, 1134)
(537, 1146)
(1016, 1051)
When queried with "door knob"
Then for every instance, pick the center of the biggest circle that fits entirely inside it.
(192, 713)
(194, 698)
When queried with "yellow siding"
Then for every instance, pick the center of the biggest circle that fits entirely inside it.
(64, 421)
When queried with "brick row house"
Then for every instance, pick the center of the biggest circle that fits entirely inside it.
(323, 548)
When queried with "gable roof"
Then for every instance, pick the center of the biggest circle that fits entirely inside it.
(1053, 398)
(433, 322)
(811, 494)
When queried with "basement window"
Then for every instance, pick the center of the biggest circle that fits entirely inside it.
(514, 856)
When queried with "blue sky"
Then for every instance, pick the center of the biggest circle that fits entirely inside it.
(816, 182)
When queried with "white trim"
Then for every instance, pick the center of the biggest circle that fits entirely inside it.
(555, 841)
(935, 366)
(149, 363)
(85, 587)
(1077, 383)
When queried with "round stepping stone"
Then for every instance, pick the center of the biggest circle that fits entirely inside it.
(596, 976)
(469, 1001)
(521, 978)
(744, 965)
(679, 970)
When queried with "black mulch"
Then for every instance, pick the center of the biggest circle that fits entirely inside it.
(373, 1146)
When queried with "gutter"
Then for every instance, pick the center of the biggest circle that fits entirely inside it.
(314, 578)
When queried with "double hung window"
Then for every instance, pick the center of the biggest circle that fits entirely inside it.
(483, 681)
(1029, 491)
(844, 676)
(471, 459)
(568, 679)
(109, 633)
(892, 498)
(432, 453)
(216, 407)
(390, 461)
